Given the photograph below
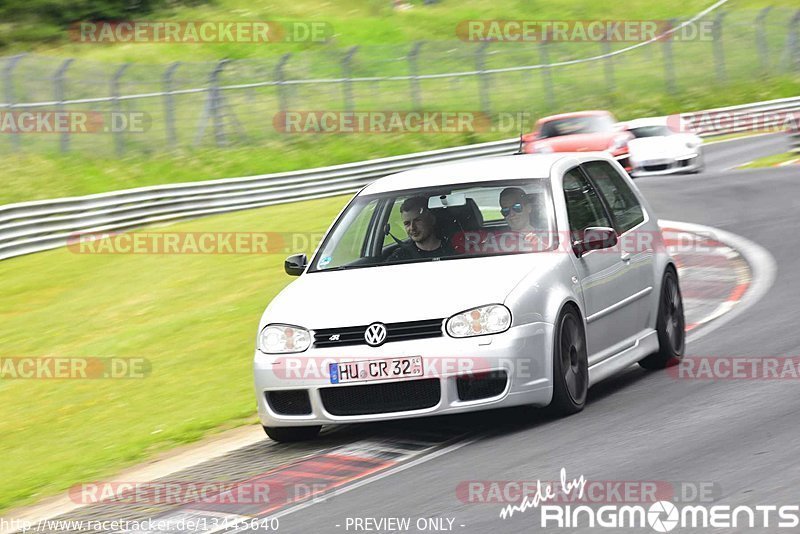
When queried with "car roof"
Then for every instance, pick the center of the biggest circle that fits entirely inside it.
(519, 166)
(573, 114)
(648, 121)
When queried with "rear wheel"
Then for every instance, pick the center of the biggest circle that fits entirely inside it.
(670, 325)
(286, 434)
(570, 364)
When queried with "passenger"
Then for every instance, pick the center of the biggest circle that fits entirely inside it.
(516, 209)
(420, 225)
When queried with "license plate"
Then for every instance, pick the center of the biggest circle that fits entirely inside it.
(375, 369)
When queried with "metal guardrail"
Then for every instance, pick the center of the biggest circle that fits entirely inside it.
(41, 225)
(30, 227)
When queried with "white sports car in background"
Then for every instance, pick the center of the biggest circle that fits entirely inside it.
(656, 149)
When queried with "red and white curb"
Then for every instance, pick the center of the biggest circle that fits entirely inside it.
(721, 273)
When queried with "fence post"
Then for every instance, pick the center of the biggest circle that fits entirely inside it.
(761, 39)
(283, 99)
(413, 71)
(169, 105)
(8, 82)
(58, 89)
(669, 67)
(792, 47)
(119, 140)
(547, 81)
(347, 74)
(215, 103)
(608, 63)
(719, 51)
(483, 78)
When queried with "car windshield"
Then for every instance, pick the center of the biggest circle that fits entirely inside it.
(651, 131)
(577, 125)
(441, 223)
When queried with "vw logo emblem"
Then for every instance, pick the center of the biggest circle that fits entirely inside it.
(375, 334)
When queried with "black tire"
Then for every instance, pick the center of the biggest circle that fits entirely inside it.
(288, 434)
(670, 325)
(570, 365)
(701, 167)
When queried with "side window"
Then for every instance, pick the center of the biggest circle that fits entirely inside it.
(584, 206)
(621, 200)
(395, 223)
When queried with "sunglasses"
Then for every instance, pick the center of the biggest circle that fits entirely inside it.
(516, 207)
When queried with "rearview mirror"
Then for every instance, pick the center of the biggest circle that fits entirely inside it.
(595, 238)
(295, 265)
(445, 201)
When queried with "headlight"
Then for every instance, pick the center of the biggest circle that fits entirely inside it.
(619, 142)
(491, 319)
(283, 339)
(542, 148)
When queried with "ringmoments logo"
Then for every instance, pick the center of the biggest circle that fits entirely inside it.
(660, 516)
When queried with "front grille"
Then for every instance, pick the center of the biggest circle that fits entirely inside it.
(354, 335)
(481, 385)
(382, 398)
(289, 402)
(661, 167)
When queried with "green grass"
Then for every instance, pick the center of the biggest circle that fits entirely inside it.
(357, 22)
(39, 171)
(771, 161)
(194, 317)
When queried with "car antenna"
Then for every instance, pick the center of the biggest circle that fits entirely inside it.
(521, 143)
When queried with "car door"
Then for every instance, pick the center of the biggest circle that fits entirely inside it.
(602, 274)
(636, 244)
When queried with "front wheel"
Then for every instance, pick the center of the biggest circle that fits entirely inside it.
(670, 326)
(570, 365)
(287, 434)
(701, 163)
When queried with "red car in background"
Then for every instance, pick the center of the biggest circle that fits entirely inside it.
(581, 131)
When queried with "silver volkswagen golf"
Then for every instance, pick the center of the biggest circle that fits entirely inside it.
(467, 286)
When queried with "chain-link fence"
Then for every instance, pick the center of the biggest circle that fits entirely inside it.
(234, 103)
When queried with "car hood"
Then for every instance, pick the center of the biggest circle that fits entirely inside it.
(396, 293)
(658, 147)
(588, 142)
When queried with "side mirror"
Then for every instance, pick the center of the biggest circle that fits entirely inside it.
(595, 238)
(295, 265)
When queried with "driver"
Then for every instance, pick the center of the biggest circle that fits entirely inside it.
(420, 225)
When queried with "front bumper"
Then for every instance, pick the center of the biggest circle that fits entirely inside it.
(659, 167)
(524, 352)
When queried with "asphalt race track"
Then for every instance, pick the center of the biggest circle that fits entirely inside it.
(737, 438)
